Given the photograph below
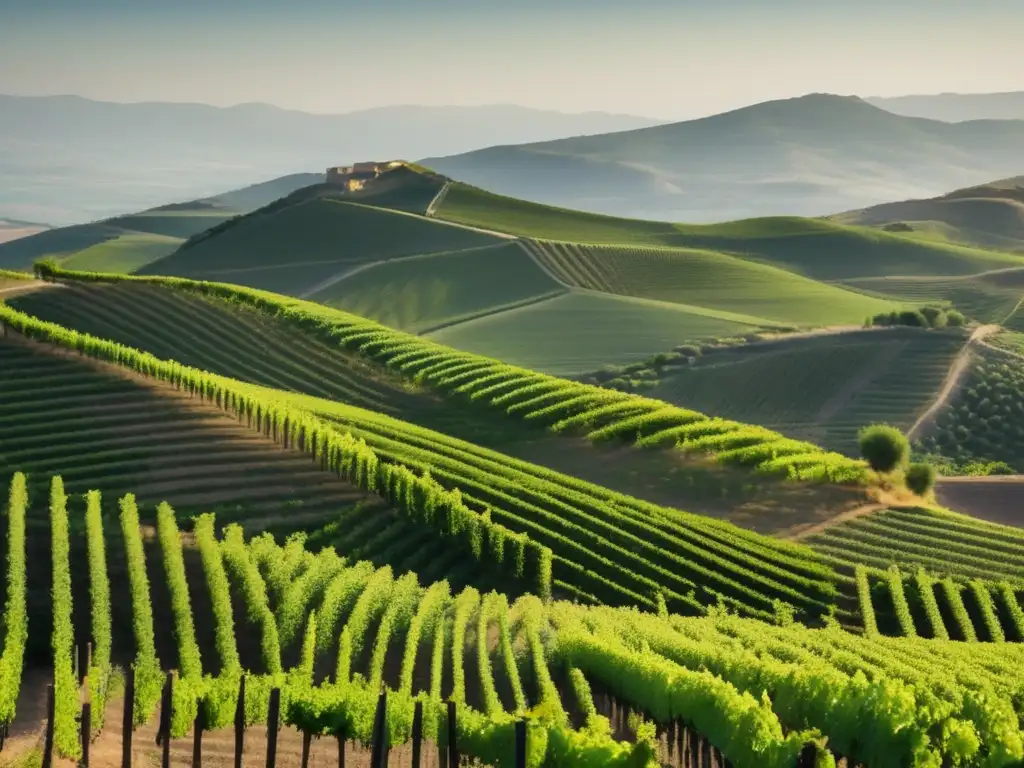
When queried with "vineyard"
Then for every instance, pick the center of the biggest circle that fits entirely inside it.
(940, 542)
(328, 632)
(705, 279)
(537, 398)
(542, 529)
(916, 604)
(824, 388)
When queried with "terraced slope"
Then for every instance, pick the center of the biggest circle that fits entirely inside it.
(260, 250)
(941, 542)
(119, 434)
(535, 397)
(605, 547)
(749, 687)
(421, 293)
(706, 279)
(821, 389)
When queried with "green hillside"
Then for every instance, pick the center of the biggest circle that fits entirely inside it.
(819, 389)
(126, 243)
(252, 346)
(335, 234)
(707, 279)
(420, 293)
(578, 332)
(987, 216)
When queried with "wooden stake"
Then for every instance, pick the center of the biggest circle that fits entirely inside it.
(453, 747)
(86, 722)
(273, 716)
(240, 724)
(417, 733)
(48, 743)
(128, 723)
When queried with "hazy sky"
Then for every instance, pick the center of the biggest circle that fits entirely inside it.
(662, 58)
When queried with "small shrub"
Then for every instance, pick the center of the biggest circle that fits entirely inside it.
(935, 316)
(920, 478)
(955, 319)
(913, 318)
(688, 350)
(884, 447)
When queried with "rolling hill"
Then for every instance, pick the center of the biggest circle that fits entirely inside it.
(451, 528)
(421, 252)
(805, 156)
(988, 216)
(128, 242)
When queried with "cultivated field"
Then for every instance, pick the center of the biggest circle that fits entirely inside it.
(274, 612)
(422, 293)
(706, 279)
(821, 389)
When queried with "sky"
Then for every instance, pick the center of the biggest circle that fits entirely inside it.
(669, 59)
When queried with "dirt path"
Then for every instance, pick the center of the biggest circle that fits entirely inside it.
(953, 379)
(442, 193)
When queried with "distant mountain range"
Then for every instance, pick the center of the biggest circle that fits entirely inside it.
(956, 107)
(807, 156)
(66, 160)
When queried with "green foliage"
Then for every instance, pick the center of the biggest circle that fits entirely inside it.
(15, 609)
(254, 594)
(884, 447)
(867, 607)
(407, 354)
(65, 686)
(955, 319)
(181, 605)
(920, 478)
(148, 675)
(99, 598)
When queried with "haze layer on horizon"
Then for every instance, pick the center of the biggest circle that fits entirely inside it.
(669, 59)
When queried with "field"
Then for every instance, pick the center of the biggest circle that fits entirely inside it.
(603, 546)
(821, 389)
(707, 279)
(252, 347)
(336, 235)
(236, 605)
(604, 330)
(418, 294)
(124, 253)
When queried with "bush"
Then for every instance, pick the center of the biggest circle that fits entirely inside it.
(884, 447)
(955, 319)
(688, 350)
(921, 478)
(935, 316)
(913, 318)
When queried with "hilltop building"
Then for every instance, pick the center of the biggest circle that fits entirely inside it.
(353, 177)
